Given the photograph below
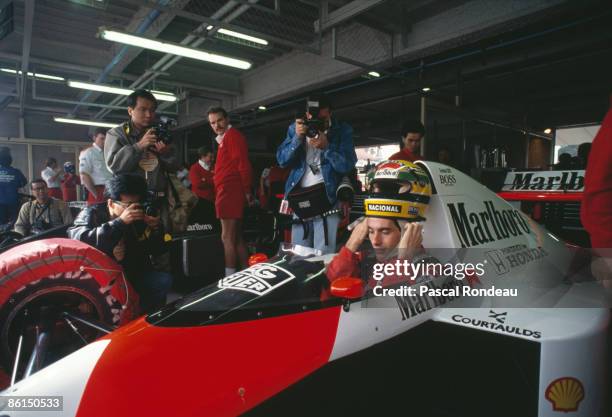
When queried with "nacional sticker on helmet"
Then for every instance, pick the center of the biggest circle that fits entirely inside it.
(386, 208)
(259, 279)
(565, 394)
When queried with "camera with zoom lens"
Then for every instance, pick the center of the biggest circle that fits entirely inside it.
(151, 204)
(40, 226)
(162, 129)
(314, 124)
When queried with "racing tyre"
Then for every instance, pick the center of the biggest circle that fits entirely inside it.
(42, 280)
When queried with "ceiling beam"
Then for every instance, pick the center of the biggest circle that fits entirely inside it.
(25, 51)
(344, 13)
(220, 24)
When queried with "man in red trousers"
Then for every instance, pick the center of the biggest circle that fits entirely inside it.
(233, 179)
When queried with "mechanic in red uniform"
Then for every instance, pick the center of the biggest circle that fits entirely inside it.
(69, 182)
(201, 175)
(596, 209)
(413, 132)
(233, 179)
(392, 235)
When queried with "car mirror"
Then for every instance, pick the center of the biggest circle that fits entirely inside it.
(347, 287)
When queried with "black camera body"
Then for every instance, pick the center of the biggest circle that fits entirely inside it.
(162, 129)
(151, 205)
(314, 124)
(40, 226)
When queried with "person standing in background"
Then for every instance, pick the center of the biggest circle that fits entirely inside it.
(202, 177)
(92, 168)
(413, 132)
(69, 182)
(596, 204)
(318, 160)
(11, 180)
(134, 148)
(52, 176)
(233, 179)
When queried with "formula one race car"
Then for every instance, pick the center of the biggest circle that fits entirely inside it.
(278, 339)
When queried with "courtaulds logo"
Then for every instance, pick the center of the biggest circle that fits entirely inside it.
(565, 394)
(499, 317)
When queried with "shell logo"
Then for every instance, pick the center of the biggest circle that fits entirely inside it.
(565, 394)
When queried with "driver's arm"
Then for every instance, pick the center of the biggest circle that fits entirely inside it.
(344, 264)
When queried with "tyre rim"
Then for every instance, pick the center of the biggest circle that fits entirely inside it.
(44, 309)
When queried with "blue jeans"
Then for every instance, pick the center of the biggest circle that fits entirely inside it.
(153, 287)
(315, 237)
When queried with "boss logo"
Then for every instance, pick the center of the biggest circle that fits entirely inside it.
(448, 179)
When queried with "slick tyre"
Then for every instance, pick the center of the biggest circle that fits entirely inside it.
(41, 280)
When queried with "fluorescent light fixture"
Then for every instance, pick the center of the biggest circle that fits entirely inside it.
(243, 36)
(262, 107)
(171, 48)
(32, 74)
(374, 74)
(548, 131)
(425, 89)
(83, 122)
(209, 27)
(160, 95)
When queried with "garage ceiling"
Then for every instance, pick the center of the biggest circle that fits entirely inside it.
(529, 63)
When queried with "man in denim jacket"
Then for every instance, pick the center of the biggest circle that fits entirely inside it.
(324, 158)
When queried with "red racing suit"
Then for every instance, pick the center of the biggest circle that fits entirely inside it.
(596, 209)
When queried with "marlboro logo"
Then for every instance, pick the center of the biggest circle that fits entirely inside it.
(564, 181)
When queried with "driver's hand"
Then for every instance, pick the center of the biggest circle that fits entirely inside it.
(149, 139)
(132, 213)
(300, 128)
(411, 240)
(152, 222)
(360, 232)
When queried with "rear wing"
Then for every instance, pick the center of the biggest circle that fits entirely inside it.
(543, 186)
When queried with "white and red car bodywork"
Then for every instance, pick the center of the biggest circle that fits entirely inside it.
(225, 368)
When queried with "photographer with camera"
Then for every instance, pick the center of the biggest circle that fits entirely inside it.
(42, 213)
(320, 152)
(139, 146)
(128, 229)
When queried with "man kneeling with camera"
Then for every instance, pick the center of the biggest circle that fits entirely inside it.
(127, 228)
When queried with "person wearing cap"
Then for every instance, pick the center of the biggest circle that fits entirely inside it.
(400, 195)
(413, 132)
(69, 182)
(92, 168)
(319, 157)
(11, 180)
